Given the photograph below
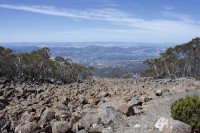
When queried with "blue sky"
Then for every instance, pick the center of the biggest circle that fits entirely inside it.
(173, 21)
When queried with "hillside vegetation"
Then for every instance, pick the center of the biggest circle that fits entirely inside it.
(37, 66)
(180, 61)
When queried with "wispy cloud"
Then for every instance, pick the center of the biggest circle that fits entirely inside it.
(175, 23)
(104, 14)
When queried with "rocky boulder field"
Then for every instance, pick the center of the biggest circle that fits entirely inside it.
(138, 105)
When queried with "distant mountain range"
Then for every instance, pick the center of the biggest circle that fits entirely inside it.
(94, 50)
(101, 55)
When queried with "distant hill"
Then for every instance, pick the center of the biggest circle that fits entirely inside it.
(107, 58)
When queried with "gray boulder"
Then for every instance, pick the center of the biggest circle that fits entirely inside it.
(47, 116)
(30, 127)
(169, 125)
(100, 117)
(125, 108)
(62, 126)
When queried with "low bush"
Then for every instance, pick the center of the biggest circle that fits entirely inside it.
(187, 110)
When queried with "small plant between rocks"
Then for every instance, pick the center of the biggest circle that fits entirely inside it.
(187, 110)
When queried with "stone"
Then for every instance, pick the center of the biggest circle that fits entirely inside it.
(137, 126)
(2, 86)
(82, 131)
(161, 122)
(83, 101)
(125, 108)
(175, 126)
(104, 94)
(138, 110)
(169, 125)
(2, 121)
(25, 117)
(30, 127)
(3, 102)
(104, 116)
(96, 128)
(87, 121)
(144, 98)
(47, 116)
(152, 95)
(134, 102)
(3, 80)
(61, 127)
(6, 126)
(158, 92)
(107, 130)
(197, 83)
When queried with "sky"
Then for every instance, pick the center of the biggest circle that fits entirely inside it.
(149, 21)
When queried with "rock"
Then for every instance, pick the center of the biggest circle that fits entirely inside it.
(61, 127)
(107, 130)
(82, 131)
(144, 98)
(175, 126)
(94, 101)
(137, 126)
(158, 92)
(3, 102)
(25, 117)
(47, 116)
(30, 127)
(197, 83)
(104, 116)
(96, 128)
(152, 95)
(1, 87)
(134, 102)
(104, 94)
(64, 116)
(161, 122)
(165, 90)
(100, 106)
(3, 80)
(83, 101)
(6, 126)
(87, 121)
(4, 131)
(62, 106)
(2, 121)
(125, 108)
(169, 125)
(59, 82)
(138, 110)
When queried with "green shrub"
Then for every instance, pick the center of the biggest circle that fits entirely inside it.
(197, 78)
(187, 110)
